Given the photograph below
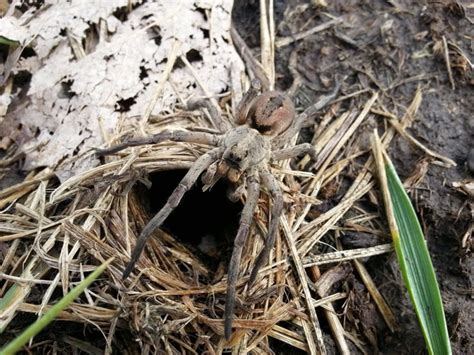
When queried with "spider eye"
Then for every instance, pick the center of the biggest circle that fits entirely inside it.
(233, 160)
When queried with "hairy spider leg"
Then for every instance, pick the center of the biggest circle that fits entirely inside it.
(277, 209)
(292, 152)
(244, 104)
(214, 111)
(166, 135)
(253, 192)
(185, 184)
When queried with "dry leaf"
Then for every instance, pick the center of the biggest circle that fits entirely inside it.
(119, 72)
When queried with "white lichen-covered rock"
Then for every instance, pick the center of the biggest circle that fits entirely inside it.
(123, 61)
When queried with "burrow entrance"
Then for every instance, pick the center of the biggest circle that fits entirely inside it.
(205, 221)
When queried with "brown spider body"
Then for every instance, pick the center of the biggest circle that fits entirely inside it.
(243, 155)
(245, 147)
(271, 113)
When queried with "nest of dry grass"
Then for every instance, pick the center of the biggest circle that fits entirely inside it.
(174, 301)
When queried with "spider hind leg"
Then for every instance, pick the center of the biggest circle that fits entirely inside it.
(253, 192)
(277, 209)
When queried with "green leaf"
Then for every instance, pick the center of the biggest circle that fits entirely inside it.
(416, 267)
(16, 344)
(8, 42)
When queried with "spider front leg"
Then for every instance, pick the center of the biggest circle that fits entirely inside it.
(292, 152)
(166, 135)
(277, 209)
(253, 192)
(185, 184)
(244, 104)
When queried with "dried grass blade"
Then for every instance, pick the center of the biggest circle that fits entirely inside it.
(267, 40)
(345, 255)
(288, 337)
(382, 305)
(18, 292)
(304, 283)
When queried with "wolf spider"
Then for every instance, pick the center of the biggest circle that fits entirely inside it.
(244, 153)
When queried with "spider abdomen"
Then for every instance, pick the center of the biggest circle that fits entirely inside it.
(271, 113)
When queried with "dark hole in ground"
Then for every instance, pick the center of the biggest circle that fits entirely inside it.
(22, 79)
(193, 56)
(143, 72)
(66, 89)
(205, 221)
(284, 348)
(124, 105)
(28, 52)
(205, 32)
(154, 33)
(178, 64)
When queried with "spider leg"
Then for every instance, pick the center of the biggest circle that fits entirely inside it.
(274, 188)
(253, 192)
(185, 184)
(320, 104)
(288, 153)
(301, 120)
(213, 109)
(244, 104)
(166, 135)
(234, 195)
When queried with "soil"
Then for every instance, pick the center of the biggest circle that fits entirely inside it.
(380, 44)
(386, 42)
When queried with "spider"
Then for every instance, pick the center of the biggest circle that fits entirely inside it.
(264, 123)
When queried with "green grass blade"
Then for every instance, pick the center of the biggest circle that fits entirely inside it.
(412, 254)
(416, 267)
(8, 42)
(18, 292)
(16, 344)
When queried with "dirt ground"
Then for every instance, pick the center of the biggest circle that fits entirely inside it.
(371, 58)
(393, 47)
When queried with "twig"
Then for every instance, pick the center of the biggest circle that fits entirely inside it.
(281, 42)
(267, 41)
(448, 62)
(447, 162)
(255, 68)
(322, 284)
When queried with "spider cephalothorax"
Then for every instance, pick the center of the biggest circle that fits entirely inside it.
(265, 121)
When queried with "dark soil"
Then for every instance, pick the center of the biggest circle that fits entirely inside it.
(379, 44)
